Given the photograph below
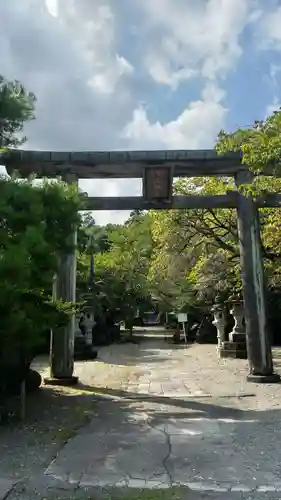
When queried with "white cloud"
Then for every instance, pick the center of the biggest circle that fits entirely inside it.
(272, 80)
(52, 6)
(106, 81)
(274, 106)
(195, 37)
(270, 33)
(72, 64)
(274, 70)
(195, 128)
(68, 52)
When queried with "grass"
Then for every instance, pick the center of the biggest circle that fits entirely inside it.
(136, 494)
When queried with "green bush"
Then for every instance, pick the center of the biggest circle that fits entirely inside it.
(35, 223)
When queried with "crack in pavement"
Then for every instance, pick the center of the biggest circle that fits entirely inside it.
(169, 452)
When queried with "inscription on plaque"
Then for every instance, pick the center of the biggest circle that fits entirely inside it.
(157, 184)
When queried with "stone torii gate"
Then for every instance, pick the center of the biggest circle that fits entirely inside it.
(157, 169)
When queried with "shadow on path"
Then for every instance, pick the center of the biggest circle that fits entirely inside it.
(107, 433)
(172, 440)
(193, 404)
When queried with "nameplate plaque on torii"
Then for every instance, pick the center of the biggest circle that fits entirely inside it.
(158, 184)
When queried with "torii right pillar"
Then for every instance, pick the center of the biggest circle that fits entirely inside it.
(254, 290)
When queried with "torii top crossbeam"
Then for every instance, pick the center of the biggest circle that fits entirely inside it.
(120, 164)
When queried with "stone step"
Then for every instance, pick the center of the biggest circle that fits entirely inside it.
(79, 342)
(234, 345)
(87, 355)
(237, 337)
(233, 353)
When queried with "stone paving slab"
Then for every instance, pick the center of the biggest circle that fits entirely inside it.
(160, 368)
(160, 446)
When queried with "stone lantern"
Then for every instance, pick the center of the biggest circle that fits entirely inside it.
(89, 323)
(219, 322)
(235, 347)
(238, 331)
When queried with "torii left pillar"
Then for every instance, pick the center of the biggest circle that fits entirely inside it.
(62, 339)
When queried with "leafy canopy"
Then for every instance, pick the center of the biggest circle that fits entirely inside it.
(260, 144)
(16, 108)
(35, 222)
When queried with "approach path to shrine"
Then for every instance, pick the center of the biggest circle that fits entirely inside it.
(167, 416)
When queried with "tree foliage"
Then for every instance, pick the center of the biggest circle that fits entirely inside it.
(35, 222)
(194, 247)
(122, 256)
(16, 107)
(260, 144)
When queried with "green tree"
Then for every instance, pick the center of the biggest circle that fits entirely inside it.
(16, 107)
(91, 237)
(260, 144)
(122, 255)
(193, 248)
(196, 252)
(35, 222)
(128, 262)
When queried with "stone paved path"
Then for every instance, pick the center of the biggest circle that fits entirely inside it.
(176, 416)
(173, 416)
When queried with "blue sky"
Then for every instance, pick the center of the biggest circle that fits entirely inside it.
(141, 74)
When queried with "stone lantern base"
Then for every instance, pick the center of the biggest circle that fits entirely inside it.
(237, 337)
(231, 349)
